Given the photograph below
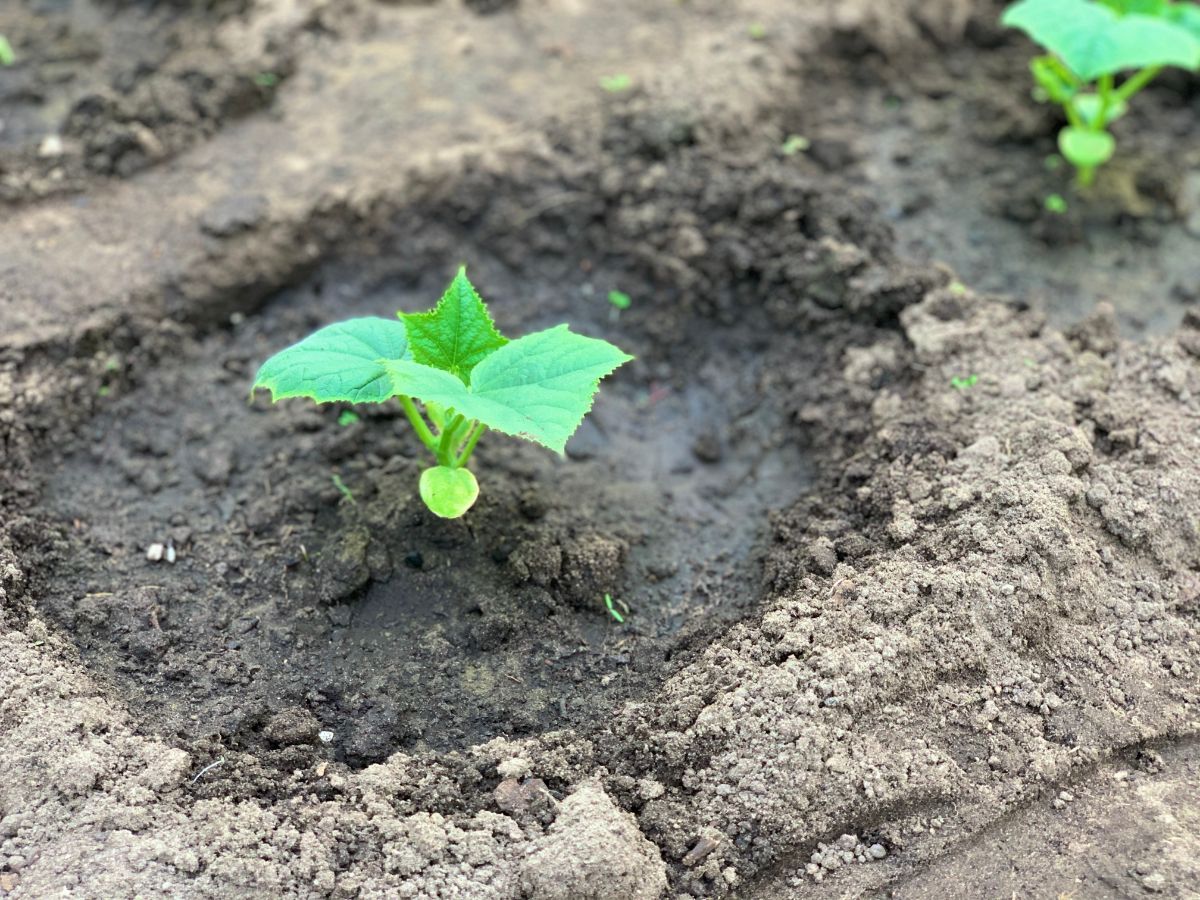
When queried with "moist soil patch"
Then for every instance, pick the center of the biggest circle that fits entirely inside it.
(308, 573)
(964, 161)
(315, 608)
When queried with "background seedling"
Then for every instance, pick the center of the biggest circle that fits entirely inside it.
(7, 56)
(615, 84)
(611, 605)
(1090, 43)
(342, 489)
(348, 418)
(795, 144)
(467, 375)
(964, 384)
(619, 301)
(1055, 203)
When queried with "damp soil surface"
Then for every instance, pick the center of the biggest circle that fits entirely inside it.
(311, 587)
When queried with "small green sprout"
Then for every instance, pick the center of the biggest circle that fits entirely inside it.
(1090, 42)
(266, 80)
(757, 31)
(348, 418)
(1054, 203)
(620, 301)
(957, 288)
(964, 384)
(616, 84)
(7, 56)
(612, 611)
(795, 144)
(342, 489)
(467, 375)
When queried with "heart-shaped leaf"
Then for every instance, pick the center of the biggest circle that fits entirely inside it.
(1086, 149)
(448, 492)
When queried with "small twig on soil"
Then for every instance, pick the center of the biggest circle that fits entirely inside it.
(208, 769)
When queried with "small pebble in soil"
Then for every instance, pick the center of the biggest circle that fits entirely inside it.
(414, 560)
(326, 737)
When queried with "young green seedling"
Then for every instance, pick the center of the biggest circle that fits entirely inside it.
(7, 56)
(1090, 43)
(467, 375)
(616, 84)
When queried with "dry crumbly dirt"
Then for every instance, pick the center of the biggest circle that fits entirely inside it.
(890, 637)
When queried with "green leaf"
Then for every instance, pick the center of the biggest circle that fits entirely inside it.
(1086, 149)
(1186, 16)
(1093, 40)
(457, 333)
(339, 362)
(538, 387)
(1144, 7)
(448, 492)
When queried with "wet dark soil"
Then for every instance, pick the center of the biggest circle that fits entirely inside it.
(313, 593)
(966, 160)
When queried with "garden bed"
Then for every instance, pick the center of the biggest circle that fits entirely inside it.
(907, 581)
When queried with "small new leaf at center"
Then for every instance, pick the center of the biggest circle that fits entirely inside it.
(457, 334)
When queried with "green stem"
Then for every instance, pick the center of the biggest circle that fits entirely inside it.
(418, 423)
(445, 449)
(1106, 99)
(1135, 83)
(471, 442)
(1072, 115)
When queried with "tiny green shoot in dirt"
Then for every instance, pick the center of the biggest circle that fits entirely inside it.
(795, 144)
(465, 374)
(342, 489)
(960, 383)
(348, 418)
(7, 56)
(618, 302)
(616, 84)
(611, 606)
(1054, 203)
(1090, 43)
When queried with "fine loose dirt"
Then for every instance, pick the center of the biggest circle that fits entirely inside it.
(904, 532)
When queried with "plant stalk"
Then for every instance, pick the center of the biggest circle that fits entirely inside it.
(418, 423)
(446, 447)
(1136, 82)
(471, 442)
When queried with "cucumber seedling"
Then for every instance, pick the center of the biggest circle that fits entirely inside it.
(467, 376)
(1090, 43)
